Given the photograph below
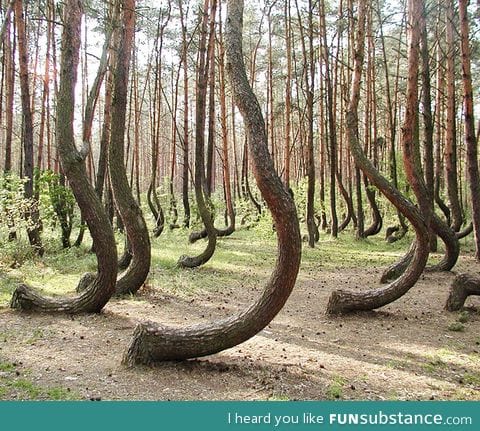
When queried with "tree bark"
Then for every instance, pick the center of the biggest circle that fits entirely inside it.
(203, 209)
(462, 287)
(470, 138)
(185, 199)
(451, 164)
(27, 116)
(102, 286)
(342, 301)
(153, 343)
(131, 214)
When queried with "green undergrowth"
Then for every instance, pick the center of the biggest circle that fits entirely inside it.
(16, 383)
(243, 260)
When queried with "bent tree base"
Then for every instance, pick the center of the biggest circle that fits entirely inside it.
(342, 301)
(152, 342)
(463, 286)
(102, 286)
(449, 260)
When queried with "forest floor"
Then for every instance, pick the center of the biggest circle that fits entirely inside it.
(412, 349)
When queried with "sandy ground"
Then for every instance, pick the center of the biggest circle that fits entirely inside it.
(404, 351)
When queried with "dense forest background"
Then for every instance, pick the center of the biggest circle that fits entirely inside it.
(292, 49)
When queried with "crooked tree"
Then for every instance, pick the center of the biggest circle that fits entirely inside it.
(152, 342)
(342, 300)
(100, 287)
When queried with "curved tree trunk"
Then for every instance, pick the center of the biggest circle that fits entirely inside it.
(344, 301)
(151, 342)
(449, 260)
(348, 202)
(102, 286)
(223, 118)
(126, 258)
(185, 140)
(360, 230)
(131, 214)
(377, 221)
(195, 236)
(468, 229)
(462, 287)
(155, 207)
(204, 211)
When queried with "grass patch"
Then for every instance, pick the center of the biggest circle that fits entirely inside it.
(435, 364)
(472, 379)
(21, 387)
(456, 327)
(279, 397)
(37, 335)
(463, 317)
(243, 260)
(335, 389)
(6, 366)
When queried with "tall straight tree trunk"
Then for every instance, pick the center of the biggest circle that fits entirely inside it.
(27, 120)
(151, 342)
(9, 56)
(45, 92)
(102, 285)
(309, 79)
(470, 138)
(185, 166)
(9, 49)
(156, 127)
(392, 123)
(451, 164)
(428, 127)
(210, 166)
(288, 94)
(439, 129)
(332, 132)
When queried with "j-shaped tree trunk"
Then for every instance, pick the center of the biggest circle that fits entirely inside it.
(153, 200)
(131, 214)
(101, 286)
(152, 342)
(195, 236)
(437, 225)
(342, 301)
(203, 209)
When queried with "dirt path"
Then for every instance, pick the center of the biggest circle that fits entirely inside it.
(404, 351)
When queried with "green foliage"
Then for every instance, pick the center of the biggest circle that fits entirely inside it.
(57, 201)
(434, 364)
(463, 317)
(14, 254)
(13, 205)
(456, 327)
(18, 385)
(472, 379)
(335, 389)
